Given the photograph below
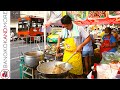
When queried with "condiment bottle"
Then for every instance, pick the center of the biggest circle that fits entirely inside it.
(118, 71)
(94, 72)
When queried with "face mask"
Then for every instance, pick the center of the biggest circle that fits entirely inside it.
(112, 32)
(106, 33)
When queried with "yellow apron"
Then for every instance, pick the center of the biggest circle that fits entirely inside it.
(76, 60)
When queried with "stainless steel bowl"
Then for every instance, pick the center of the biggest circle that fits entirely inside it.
(32, 58)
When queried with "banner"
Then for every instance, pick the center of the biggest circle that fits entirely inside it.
(78, 15)
(55, 16)
(4, 44)
(97, 14)
(114, 14)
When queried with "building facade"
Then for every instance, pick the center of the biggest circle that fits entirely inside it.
(14, 15)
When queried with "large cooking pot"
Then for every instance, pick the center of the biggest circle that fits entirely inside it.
(46, 69)
(32, 58)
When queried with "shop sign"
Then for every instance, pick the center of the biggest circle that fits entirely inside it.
(78, 15)
(114, 14)
(97, 14)
(118, 19)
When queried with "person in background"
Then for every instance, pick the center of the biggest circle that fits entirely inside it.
(99, 31)
(115, 34)
(118, 36)
(108, 43)
(11, 35)
(72, 35)
(102, 33)
(95, 33)
(87, 54)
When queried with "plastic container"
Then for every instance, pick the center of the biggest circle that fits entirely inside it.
(117, 76)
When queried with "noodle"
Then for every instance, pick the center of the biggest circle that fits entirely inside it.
(58, 69)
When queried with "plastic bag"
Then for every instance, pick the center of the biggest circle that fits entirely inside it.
(107, 57)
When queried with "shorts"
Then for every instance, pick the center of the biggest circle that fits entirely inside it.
(87, 53)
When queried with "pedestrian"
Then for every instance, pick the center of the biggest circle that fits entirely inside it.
(12, 35)
(87, 54)
(72, 35)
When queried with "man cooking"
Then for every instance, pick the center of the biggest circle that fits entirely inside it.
(72, 35)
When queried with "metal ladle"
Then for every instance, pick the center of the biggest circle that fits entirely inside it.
(63, 63)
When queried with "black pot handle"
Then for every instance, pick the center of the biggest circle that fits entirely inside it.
(42, 61)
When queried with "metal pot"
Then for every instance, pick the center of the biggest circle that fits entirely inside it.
(32, 58)
(46, 69)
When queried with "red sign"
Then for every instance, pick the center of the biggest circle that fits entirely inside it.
(114, 14)
(97, 14)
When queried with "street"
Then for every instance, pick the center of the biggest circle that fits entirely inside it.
(16, 49)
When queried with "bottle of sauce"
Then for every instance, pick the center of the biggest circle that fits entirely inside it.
(94, 72)
(118, 71)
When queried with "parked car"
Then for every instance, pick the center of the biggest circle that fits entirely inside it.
(53, 37)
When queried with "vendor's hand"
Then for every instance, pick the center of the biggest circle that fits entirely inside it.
(57, 47)
(59, 54)
(79, 48)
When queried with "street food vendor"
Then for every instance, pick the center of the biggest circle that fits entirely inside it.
(72, 35)
(108, 43)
